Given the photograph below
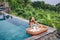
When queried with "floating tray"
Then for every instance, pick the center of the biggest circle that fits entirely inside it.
(43, 29)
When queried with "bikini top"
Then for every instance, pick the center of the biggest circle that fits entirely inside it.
(34, 25)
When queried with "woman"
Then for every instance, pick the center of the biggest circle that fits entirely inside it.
(33, 23)
(35, 27)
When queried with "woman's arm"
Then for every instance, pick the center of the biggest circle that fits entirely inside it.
(30, 24)
(36, 22)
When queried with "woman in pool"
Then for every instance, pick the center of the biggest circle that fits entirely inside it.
(35, 27)
(33, 23)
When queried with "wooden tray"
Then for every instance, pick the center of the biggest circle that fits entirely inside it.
(43, 29)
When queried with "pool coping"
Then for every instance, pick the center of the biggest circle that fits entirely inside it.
(16, 17)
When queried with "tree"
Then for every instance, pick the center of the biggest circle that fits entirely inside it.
(26, 2)
(58, 7)
(58, 4)
(38, 4)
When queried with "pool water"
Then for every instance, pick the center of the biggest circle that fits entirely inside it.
(13, 29)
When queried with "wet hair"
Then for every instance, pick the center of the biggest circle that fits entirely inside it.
(30, 18)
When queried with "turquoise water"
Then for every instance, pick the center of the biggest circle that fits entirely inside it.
(13, 29)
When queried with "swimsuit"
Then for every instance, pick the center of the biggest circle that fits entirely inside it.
(35, 28)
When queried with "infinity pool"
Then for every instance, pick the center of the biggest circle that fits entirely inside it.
(13, 29)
